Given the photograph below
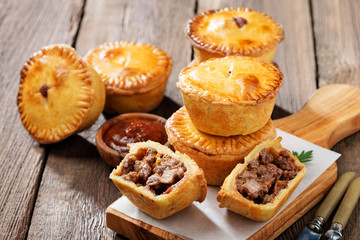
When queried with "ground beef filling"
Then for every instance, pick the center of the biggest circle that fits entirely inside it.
(156, 171)
(266, 175)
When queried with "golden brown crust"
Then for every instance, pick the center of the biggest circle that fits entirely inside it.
(230, 96)
(231, 80)
(192, 187)
(216, 32)
(216, 155)
(229, 197)
(138, 102)
(127, 67)
(57, 94)
(135, 75)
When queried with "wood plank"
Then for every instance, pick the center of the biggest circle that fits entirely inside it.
(337, 41)
(337, 34)
(75, 189)
(295, 56)
(25, 27)
(129, 227)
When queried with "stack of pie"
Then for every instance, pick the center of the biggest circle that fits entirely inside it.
(228, 103)
(224, 133)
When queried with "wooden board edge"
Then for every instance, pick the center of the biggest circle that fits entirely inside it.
(134, 228)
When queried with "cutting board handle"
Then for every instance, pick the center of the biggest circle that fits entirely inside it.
(331, 114)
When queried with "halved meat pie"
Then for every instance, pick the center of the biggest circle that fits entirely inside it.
(158, 181)
(258, 188)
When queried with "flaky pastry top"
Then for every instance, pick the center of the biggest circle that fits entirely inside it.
(232, 79)
(129, 66)
(233, 31)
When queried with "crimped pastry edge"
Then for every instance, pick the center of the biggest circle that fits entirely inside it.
(47, 136)
(176, 126)
(136, 84)
(200, 94)
(216, 162)
(200, 42)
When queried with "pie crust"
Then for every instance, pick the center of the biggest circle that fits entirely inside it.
(216, 156)
(231, 95)
(59, 94)
(216, 33)
(229, 197)
(192, 187)
(135, 75)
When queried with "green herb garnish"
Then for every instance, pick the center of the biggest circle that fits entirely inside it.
(304, 156)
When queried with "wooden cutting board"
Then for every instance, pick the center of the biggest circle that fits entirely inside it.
(331, 114)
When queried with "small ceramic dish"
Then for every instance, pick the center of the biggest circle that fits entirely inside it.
(138, 127)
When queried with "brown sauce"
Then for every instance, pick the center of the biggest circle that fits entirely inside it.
(133, 130)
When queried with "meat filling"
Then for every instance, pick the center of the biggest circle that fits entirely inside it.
(157, 171)
(266, 175)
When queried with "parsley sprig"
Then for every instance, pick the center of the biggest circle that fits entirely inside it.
(304, 156)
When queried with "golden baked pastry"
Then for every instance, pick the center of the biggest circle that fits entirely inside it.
(234, 31)
(134, 74)
(157, 180)
(258, 188)
(216, 156)
(231, 95)
(59, 94)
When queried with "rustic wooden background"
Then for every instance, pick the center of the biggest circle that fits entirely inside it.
(62, 190)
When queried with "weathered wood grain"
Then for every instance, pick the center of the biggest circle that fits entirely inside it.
(337, 41)
(74, 191)
(25, 27)
(75, 188)
(337, 33)
(295, 56)
(134, 228)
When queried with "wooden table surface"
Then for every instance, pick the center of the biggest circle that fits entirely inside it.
(61, 191)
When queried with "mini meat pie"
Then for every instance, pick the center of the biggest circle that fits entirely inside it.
(158, 181)
(231, 95)
(234, 31)
(216, 156)
(258, 188)
(135, 75)
(59, 94)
